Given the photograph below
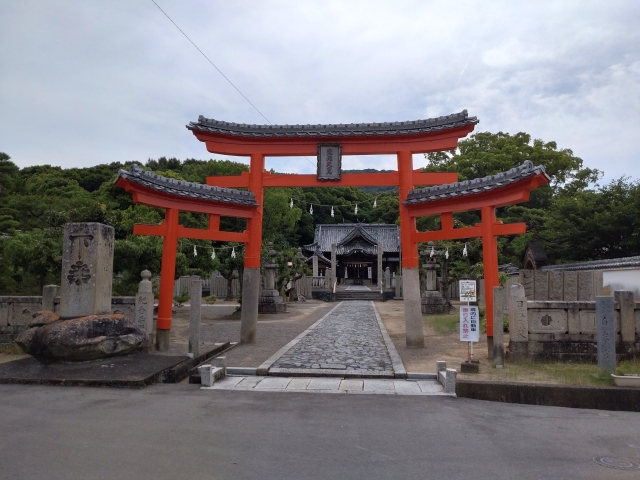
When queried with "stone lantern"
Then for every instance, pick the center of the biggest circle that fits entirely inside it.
(270, 299)
(432, 300)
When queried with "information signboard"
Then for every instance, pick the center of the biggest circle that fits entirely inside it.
(468, 290)
(369, 272)
(469, 323)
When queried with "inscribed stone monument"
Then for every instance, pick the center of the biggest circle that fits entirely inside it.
(87, 270)
(606, 334)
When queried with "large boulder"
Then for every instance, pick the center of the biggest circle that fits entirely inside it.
(83, 338)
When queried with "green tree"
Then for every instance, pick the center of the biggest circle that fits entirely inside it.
(228, 266)
(37, 253)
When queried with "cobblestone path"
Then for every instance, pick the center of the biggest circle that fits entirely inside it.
(349, 338)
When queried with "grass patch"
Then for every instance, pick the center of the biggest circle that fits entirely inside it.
(566, 373)
(444, 324)
(12, 349)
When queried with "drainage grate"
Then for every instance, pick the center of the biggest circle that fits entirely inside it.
(617, 463)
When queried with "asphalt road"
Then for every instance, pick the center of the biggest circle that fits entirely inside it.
(181, 432)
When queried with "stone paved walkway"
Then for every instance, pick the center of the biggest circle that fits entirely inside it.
(330, 385)
(348, 339)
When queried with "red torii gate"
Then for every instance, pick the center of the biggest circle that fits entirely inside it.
(483, 194)
(175, 196)
(402, 139)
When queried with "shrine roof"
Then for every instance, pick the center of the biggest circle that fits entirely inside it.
(183, 189)
(475, 186)
(413, 127)
(343, 233)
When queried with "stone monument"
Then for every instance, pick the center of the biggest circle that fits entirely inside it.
(270, 299)
(87, 270)
(144, 308)
(85, 329)
(433, 303)
(606, 335)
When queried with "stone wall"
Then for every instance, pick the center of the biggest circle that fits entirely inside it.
(566, 330)
(561, 285)
(17, 312)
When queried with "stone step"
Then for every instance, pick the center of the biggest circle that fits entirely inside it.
(340, 296)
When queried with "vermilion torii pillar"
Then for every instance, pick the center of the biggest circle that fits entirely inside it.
(402, 139)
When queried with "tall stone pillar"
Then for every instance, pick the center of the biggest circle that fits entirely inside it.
(334, 266)
(380, 272)
(143, 317)
(87, 270)
(195, 315)
(606, 334)
(627, 315)
(518, 321)
(315, 265)
(498, 327)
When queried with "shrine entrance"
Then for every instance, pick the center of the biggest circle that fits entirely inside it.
(329, 143)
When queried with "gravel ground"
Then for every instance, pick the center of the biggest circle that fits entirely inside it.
(437, 347)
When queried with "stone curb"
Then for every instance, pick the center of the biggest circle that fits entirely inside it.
(327, 372)
(570, 396)
(263, 369)
(396, 361)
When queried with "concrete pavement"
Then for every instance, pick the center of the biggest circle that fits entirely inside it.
(330, 385)
(180, 431)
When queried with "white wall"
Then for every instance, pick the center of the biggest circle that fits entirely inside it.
(623, 280)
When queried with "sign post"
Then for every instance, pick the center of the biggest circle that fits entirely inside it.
(469, 316)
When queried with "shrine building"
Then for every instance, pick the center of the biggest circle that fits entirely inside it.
(356, 251)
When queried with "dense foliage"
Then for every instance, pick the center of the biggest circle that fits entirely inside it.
(574, 218)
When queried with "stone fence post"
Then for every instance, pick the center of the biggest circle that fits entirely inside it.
(606, 334)
(498, 327)
(627, 315)
(49, 293)
(195, 312)
(143, 317)
(518, 321)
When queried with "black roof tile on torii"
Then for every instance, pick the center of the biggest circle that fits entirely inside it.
(475, 186)
(414, 127)
(188, 190)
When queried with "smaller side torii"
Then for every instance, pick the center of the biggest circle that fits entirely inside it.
(483, 194)
(175, 196)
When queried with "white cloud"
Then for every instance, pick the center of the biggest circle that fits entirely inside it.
(90, 82)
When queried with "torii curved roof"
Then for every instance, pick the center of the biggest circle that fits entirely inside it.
(414, 127)
(181, 189)
(475, 186)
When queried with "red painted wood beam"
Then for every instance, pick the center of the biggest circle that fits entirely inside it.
(184, 232)
(469, 232)
(390, 179)
(453, 234)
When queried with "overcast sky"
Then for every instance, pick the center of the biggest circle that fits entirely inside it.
(89, 82)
